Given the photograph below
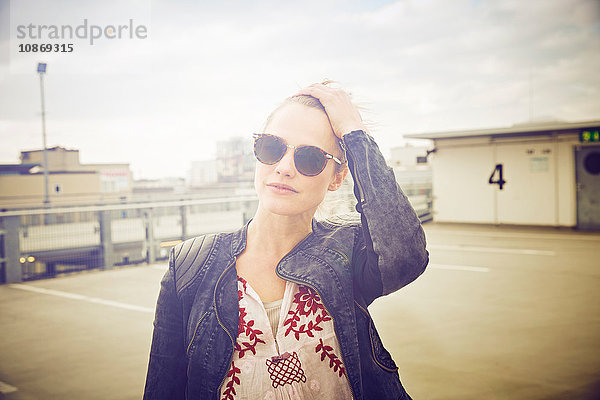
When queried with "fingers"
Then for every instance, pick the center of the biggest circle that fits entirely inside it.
(321, 91)
(332, 99)
(343, 115)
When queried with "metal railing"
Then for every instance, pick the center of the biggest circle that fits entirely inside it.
(2, 257)
(42, 243)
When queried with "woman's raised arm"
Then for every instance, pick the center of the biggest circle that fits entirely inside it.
(391, 244)
(390, 250)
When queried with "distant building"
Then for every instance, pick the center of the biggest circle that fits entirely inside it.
(163, 186)
(531, 174)
(235, 160)
(411, 167)
(234, 164)
(413, 174)
(69, 181)
(409, 156)
(203, 173)
(59, 158)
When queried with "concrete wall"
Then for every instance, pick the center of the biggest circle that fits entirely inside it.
(28, 190)
(538, 170)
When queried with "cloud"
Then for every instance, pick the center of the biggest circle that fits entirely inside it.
(212, 70)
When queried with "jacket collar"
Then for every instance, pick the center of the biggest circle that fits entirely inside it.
(238, 242)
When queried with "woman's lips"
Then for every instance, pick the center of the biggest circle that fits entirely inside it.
(281, 188)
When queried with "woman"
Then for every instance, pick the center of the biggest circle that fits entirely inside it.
(278, 309)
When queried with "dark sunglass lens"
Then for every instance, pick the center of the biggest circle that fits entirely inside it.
(269, 149)
(309, 160)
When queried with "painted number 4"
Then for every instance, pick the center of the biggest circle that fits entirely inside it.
(497, 172)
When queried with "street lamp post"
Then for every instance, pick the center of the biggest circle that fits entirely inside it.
(41, 69)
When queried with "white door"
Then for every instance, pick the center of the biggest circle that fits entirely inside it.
(528, 195)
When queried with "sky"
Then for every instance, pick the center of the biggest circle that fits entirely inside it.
(210, 70)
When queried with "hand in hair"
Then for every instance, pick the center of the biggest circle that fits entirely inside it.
(343, 115)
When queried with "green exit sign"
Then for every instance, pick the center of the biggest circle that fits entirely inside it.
(589, 135)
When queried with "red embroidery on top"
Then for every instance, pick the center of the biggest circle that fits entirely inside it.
(308, 303)
(244, 285)
(285, 369)
(334, 361)
(230, 391)
(248, 337)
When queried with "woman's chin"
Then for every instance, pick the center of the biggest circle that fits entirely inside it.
(287, 209)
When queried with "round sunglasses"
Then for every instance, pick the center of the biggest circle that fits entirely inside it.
(309, 160)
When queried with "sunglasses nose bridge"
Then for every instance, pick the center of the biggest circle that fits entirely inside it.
(286, 164)
(285, 151)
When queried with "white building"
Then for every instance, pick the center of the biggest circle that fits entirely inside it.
(203, 173)
(529, 174)
(413, 174)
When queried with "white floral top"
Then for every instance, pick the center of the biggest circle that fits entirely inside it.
(303, 361)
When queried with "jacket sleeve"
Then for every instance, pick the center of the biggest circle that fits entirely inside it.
(389, 249)
(167, 368)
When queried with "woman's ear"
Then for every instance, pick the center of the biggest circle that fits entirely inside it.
(338, 178)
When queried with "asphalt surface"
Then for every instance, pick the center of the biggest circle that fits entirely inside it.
(501, 313)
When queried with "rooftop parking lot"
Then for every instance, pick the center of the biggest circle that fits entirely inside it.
(501, 313)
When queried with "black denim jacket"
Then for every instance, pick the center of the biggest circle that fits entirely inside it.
(348, 262)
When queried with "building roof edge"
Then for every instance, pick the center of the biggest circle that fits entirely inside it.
(531, 128)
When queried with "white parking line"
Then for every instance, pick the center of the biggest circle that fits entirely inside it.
(459, 267)
(491, 249)
(6, 388)
(524, 235)
(80, 297)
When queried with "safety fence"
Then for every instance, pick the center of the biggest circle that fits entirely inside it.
(42, 243)
(2, 256)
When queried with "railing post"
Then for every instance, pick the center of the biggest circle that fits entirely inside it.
(249, 209)
(182, 212)
(150, 244)
(106, 239)
(14, 269)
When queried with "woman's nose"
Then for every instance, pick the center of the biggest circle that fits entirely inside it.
(286, 166)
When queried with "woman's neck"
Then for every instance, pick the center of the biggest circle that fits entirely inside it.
(276, 235)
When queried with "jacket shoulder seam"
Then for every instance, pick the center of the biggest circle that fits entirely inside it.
(200, 249)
